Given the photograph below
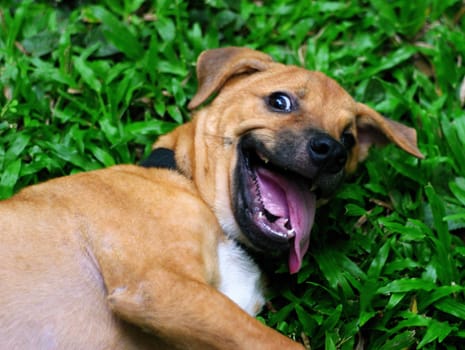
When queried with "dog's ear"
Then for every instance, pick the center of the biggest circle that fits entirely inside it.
(374, 129)
(215, 67)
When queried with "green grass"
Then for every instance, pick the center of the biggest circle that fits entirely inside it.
(86, 86)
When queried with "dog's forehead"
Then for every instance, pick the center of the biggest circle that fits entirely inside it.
(320, 98)
(306, 84)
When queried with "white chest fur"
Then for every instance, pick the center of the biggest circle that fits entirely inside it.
(240, 277)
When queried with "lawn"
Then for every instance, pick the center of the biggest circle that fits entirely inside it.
(87, 86)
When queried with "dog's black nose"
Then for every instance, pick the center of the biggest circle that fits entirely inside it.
(327, 153)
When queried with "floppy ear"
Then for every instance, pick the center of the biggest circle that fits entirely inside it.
(215, 67)
(374, 129)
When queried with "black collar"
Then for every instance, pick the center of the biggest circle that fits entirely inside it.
(160, 158)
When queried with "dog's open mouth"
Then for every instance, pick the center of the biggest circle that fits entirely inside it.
(278, 207)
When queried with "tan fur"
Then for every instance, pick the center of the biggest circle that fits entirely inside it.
(89, 260)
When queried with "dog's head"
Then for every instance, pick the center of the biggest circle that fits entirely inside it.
(277, 139)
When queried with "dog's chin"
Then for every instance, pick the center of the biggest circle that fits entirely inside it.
(274, 208)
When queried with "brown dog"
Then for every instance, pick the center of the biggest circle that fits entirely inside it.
(90, 260)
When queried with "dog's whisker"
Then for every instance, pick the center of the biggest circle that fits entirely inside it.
(225, 140)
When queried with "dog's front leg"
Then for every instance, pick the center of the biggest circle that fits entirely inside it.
(192, 315)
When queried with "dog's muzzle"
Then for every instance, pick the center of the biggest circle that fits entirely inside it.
(275, 191)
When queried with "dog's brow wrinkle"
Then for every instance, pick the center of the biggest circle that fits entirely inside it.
(302, 92)
(226, 140)
(213, 135)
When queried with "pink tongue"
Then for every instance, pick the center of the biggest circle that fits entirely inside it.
(292, 200)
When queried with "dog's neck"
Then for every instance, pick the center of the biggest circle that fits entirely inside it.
(164, 158)
(175, 155)
(181, 144)
(191, 143)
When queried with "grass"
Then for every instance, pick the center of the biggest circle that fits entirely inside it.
(86, 86)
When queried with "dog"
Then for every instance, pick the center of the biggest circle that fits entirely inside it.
(158, 256)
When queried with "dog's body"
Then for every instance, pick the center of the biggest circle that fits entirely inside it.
(90, 260)
(64, 255)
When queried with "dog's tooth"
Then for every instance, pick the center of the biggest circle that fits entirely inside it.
(263, 158)
(291, 233)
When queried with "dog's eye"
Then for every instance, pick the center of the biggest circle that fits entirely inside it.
(281, 102)
(348, 140)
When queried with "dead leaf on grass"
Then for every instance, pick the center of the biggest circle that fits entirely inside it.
(462, 93)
